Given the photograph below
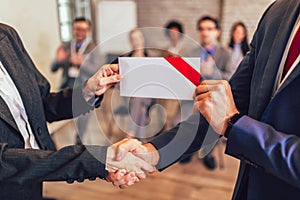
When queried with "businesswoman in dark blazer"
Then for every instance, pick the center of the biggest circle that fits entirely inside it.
(27, 153)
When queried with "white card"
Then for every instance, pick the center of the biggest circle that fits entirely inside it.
(158, 77)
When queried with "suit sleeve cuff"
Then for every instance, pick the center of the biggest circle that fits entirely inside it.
(99, 160)
(81, 106)
(230, 124)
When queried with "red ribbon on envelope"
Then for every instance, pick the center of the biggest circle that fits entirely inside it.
(185, 69)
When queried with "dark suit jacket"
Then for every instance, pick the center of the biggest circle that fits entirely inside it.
(22, 171)
(266, 139)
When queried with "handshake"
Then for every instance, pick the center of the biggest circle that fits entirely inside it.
(128, 162)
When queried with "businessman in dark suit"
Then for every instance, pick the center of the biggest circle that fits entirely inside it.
(27, 154)
(258, 112)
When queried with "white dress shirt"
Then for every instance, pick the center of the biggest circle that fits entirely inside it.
(11, 96)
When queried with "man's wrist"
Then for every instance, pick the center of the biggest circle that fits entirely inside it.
(231, 122)
(153, 153)
(87, 94)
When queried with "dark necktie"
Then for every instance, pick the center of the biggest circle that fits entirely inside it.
(293, 53)
(77, 46)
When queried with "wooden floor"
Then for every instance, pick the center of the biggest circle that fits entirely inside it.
(178, 182)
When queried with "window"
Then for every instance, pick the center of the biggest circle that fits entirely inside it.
(69, 10)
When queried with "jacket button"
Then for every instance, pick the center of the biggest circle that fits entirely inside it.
(70, 181)
(80, 180)
(39, 130)
(92, 178)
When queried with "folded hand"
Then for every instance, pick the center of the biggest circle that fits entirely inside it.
(145, 156)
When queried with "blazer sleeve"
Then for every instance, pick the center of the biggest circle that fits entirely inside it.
(195, 133)
(68, 164)
(56, 65)
(257, 143)
(22, 166)
(260, 145)
(61, 105)
(184, 139)
(67, 104)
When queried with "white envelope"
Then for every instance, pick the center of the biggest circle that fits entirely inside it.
(156, 77)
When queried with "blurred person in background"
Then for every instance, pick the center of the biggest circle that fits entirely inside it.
(214, 56)
(174, 31)
(138, 108)
(238, 45)
(213, 65)
(69, 57)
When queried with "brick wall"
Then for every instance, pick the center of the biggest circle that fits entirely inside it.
(155, 13)
(242, 10)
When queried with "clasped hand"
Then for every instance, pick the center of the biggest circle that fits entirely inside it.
(128, 162)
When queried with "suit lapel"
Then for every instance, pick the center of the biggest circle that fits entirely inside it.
(5, 114)
(295, 74)
(21, 78)
(262, 88)
(265, 77)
